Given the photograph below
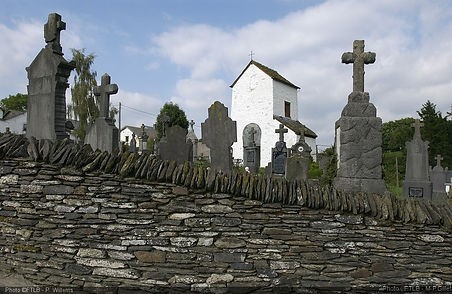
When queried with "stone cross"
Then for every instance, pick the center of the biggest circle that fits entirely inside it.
(281, 132)
(192, 123)
(438, 160)
(103, 93)
(252, 132)
(417, 128)
(52, 30)
(359, 58)
(165, 122)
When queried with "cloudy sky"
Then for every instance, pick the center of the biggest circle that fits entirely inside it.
(190, 51)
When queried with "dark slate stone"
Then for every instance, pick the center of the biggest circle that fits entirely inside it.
(219, 132)
(57, 190)
(78, 269)
(174, 145)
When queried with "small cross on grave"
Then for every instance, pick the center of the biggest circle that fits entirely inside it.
(438, 160)
(103, 93)
(281, 132)
(165, 122)
(192, 123)
(359, 58)
(252, 132)
(52, 30)
(417, 128)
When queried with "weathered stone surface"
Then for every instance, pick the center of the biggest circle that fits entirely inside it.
(216, 208)
(230, 243)
(216, 279)
(116, 273)
(155, 256)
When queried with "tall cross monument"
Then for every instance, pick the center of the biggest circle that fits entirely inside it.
(359, 58)
(358, 133)
(47, 83)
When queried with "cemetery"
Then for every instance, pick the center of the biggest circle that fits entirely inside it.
(97, 214)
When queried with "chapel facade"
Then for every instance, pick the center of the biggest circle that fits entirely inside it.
(258, 95)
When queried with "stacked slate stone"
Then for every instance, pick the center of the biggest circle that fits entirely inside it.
(66, 153)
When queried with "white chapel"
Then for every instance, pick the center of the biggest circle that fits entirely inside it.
(258, 95)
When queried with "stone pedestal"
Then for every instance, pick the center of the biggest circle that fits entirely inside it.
(103, 135)
(358, 147)
(252, 158)
(46, 110)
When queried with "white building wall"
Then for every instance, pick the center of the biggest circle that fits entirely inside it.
(282, 93)
(127, 133)
(15, 124)
(252, 102)
(256, 97)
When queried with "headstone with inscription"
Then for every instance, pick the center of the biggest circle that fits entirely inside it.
(133, 144)
(175, 147)
(438, 177)
(251, 156)
(297, 164)
(47, 83)
(219, 132)
(358, 141)
(103, 134)
(417, 183)
(279, 153)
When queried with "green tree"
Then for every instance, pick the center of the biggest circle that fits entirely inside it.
(84, 105)
(15, 102)
(396, 133)
(174, 116)
(436, 131)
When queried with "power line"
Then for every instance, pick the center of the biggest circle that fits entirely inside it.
(139, 110)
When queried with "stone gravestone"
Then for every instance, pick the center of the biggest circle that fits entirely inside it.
(133, 144)
(279, 153)
(143, 139)
(417, 183)
(358, 133)
(47, 83)
(297, 164)
(438, 177)
(175, 147)
(251, 156)
(103, 134)
(219, 132)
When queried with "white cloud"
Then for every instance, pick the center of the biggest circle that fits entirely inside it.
(411, 39)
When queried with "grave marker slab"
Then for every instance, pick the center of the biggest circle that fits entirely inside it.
(251, 156)
(219, 132)
(103, 134)
(175, 147)
(279, 153)
(417, 183)
(47, 83)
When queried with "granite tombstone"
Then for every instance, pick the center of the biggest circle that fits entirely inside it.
(279, 153)
(438, 177)
(47, 83)
(219, 132)
(251, 148)
(417, 183)
(175, 146)
(358, 141)
(103, 134)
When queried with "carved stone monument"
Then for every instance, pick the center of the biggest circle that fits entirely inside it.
(417, 183)
(279, 153)
(103, 134)
(251, 156)
(297, 164)
(133, 144)
(438, 176)
(219, 132)
(358, 133)
(176, 147)
(47, 83)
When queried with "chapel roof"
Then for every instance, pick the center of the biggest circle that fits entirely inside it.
(270, 72)
(296, 126)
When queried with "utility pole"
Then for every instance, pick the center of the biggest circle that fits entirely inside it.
(119, 120)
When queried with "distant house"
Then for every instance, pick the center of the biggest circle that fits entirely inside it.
(126, 132)
(15, 120)
(259, 94)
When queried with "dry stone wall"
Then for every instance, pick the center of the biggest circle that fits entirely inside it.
(69, 225)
